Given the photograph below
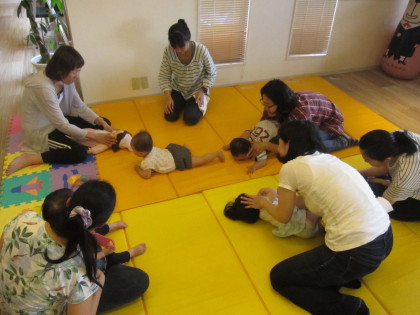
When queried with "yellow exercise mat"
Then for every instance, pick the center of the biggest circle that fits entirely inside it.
(230, 113)
(396, 280)
(271, 168)
(259, 250)
(414, 227)
(191, 264)
(123, 115)
(356, 161)
(200, 139)
(118, 167)
(132, 190)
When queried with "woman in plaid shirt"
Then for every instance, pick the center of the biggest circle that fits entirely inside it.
(282, 104)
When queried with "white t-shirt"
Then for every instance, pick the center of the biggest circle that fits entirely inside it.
(264, 131)
(158, 160)
(338, 193)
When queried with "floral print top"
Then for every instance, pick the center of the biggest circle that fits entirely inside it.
(28, 283)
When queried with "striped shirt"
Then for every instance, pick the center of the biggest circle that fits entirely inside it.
(405, 174)
(187, 79)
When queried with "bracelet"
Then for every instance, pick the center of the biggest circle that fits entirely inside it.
(205, 90)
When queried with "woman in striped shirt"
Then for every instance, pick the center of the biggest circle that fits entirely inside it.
(397, 154)
(186, 74)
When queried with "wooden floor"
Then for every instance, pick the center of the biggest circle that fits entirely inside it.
(396, 100)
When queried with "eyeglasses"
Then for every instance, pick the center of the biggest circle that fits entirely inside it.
(266, 105)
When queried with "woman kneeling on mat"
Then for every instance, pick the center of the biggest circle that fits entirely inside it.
(358, 231)
(397, 154)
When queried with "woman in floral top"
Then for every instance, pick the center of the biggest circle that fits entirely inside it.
(49, 267)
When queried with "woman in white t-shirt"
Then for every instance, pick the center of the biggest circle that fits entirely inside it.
(358, 232)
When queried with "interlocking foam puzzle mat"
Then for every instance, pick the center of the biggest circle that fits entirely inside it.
(33, 183)
(198, 261)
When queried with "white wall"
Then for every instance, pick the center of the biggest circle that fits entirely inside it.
(124, 39)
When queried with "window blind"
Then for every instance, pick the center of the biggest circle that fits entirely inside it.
(223, 28)
(312, 26)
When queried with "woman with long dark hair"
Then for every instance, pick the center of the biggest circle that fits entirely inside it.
(282, 104)
(50, 264)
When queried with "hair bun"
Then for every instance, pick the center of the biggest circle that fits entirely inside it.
(182, 21)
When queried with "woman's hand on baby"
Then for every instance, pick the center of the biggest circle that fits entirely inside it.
(103, 138)
(252, 201)
(101, 122)
(256, 149)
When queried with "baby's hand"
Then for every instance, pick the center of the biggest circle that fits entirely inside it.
(226, 147)
(251, 169)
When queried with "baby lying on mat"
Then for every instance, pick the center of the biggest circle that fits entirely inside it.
(240, 147)
(123, 141)
(174, 157)
(303, 223)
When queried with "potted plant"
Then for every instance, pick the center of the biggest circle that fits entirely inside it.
(40, 27)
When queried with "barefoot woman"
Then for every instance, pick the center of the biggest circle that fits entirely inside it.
(52, 110)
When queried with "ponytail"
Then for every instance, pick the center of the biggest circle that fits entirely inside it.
(381, 144)
(89, 207)
(404, 144)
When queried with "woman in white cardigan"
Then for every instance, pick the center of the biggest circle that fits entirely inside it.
(52, 111)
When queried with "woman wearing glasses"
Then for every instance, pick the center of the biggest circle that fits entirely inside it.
(282, 104)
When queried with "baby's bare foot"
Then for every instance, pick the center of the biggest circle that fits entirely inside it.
(117, 225)
(220, 156)
(137, 250)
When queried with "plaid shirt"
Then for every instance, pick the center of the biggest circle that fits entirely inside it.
(318, 109)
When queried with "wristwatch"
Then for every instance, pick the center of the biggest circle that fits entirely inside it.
(205, 90)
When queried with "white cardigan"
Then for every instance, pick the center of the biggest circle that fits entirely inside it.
(43, 111)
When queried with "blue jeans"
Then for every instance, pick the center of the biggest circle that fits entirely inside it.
(311, 280)
(332, 144)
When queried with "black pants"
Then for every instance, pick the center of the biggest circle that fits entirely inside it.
(192, 113)
(64, 150)
(113, 258)
(123, 284)
(406, 210)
